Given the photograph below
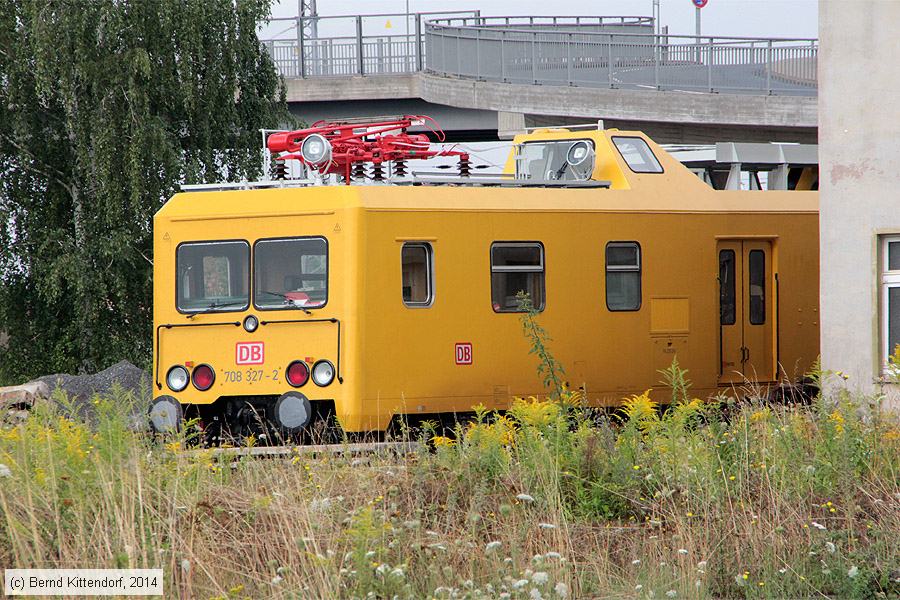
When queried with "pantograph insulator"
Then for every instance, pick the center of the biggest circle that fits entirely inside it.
(359, 170)
(377, 172)
(465, 167)
(279, 170)
(400, 168)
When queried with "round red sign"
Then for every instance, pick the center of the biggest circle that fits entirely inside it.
(700, 3)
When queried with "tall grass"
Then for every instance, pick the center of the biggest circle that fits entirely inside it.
(735, 500)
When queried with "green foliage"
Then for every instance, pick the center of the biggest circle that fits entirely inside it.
(105, 108)
(549, 369)
(675, 378)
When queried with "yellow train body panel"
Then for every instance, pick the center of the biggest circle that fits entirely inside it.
(392, 359)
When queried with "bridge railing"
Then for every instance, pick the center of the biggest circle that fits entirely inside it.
(381, 44)
(615, 52)
(498, 49)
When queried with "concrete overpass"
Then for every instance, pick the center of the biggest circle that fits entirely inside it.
(484, 77)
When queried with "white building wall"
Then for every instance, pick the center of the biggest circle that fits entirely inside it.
(859, 150)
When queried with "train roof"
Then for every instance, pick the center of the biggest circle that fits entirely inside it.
(613, 186)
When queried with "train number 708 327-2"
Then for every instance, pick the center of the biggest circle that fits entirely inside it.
(251, 376)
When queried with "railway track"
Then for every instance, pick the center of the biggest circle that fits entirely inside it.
(359, 448)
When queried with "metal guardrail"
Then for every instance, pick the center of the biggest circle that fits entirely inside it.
(614, 52)
(493, 49)
(371, 51)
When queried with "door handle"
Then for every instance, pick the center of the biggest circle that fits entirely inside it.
(745, 354)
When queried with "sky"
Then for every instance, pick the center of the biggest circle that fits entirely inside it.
(743, 18)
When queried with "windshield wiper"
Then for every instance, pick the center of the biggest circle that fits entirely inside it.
(562, 169)
(215, 306)
(287, 300)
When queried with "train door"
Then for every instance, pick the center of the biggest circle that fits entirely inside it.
(746, 311)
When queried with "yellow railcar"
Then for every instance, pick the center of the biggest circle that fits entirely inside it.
(378, 301)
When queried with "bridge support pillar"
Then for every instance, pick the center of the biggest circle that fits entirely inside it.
(510, 124)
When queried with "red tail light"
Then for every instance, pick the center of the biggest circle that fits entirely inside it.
(203, 377)
(297, 373)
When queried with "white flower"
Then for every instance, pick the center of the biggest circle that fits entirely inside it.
(682, 551)
(525, 498)
(561, 589)
(547, 526)
(638, 587)
(370, 555)
(853, 572)
(535, 594)
(5, 471)
(491, 546)
(540, 578)
(319, 504)
(432, 533)
(518, 585)
(782, 571)
(277, 579)
(819, 526)
(636, 561)
(830, 547)
(382, 569)
(701, 565)
(555, 555)
(671, 594)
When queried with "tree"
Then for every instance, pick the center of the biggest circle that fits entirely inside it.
(105, 107)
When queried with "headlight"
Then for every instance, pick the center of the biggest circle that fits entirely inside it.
(315, 150)
(177, 378)
(323, 373)
(251, 323)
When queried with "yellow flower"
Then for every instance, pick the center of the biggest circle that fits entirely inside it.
(440, 440)
(838, 420)
(761, 415)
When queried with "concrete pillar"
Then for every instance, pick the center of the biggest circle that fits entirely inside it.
(859, 126)
(510, 124)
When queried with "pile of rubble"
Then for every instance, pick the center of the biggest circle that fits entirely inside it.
(134, 383)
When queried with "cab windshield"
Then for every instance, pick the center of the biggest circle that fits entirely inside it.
(212, 276)
(290, 273)
(546, 161)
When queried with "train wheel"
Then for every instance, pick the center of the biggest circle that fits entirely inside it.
(166, 415)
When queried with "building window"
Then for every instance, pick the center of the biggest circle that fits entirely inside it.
(517, 267)
(417, 274)
(623, 276)
(637, 155)
(890, 283)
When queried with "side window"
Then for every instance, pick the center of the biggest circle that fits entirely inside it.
(517, 267)
(637, 155)
(757, 287)
(417, 274)
(727, 298)
(623, 276)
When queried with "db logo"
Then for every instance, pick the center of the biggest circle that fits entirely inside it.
(249, 353)
(464, 353)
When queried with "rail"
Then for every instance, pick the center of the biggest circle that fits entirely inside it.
(614, 52)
